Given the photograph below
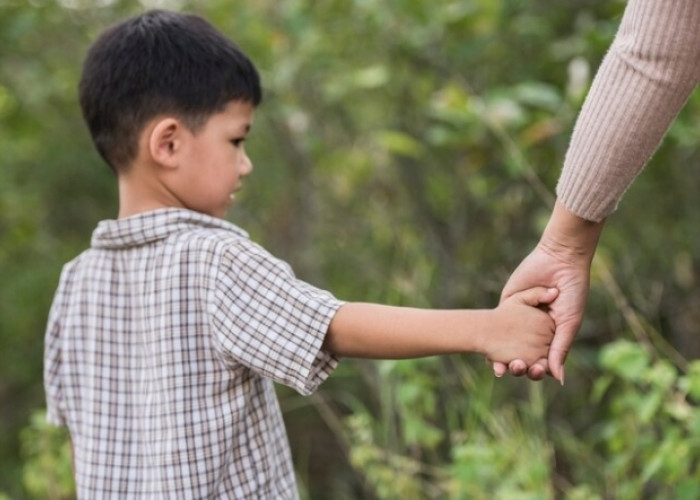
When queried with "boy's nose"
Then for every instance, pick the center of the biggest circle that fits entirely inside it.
(247, 166)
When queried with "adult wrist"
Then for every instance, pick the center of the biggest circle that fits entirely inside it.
(570, 237)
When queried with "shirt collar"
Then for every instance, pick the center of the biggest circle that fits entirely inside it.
(149, 227)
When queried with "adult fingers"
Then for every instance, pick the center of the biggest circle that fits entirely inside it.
(537, 370)
(517, 367)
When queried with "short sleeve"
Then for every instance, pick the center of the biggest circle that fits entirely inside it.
(269, 321)
(52, 361)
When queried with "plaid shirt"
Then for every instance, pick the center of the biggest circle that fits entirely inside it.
(162, 344)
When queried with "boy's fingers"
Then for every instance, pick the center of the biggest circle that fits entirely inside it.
(538, 295)
(499, 369)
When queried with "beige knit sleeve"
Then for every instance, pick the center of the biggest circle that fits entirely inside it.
(650, 70)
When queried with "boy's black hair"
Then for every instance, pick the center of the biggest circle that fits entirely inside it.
(157, 63)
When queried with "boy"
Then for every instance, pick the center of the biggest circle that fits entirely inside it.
(165, 336)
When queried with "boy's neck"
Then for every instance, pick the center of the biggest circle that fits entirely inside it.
(139, 193)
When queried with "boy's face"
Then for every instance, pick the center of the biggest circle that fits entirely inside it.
(214, 160)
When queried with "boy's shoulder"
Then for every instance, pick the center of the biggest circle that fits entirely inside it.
(168, 237)
(163, 226)
(174, 231)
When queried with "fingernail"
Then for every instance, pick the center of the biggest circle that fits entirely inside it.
(562, 376)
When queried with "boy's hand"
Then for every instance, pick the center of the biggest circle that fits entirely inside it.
(522, 329)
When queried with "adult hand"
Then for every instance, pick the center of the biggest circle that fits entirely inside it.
(562, 259)
(544, 266)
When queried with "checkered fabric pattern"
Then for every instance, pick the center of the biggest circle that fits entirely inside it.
(163, 343)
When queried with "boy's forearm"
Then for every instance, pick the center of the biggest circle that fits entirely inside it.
(388, 332)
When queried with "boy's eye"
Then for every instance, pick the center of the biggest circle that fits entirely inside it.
(238, 142)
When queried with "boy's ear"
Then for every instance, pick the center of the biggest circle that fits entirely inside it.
(165, 141)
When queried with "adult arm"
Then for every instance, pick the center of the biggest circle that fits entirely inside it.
(647, 75)
(650, 70)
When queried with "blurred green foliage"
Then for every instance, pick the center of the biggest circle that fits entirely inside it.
(47, 472)
(406, 152)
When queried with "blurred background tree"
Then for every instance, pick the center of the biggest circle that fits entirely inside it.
(406, 152)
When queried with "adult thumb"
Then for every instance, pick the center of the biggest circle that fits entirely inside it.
(559, 349)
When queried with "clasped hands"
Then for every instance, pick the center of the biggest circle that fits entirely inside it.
(562, 259)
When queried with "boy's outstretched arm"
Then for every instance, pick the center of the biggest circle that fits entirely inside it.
(517, 328)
